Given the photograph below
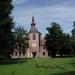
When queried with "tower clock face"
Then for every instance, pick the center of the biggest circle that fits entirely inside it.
(34, 44)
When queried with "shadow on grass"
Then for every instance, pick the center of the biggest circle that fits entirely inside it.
(12, 61)
(50, 66)
(66, 73)
(72, 63)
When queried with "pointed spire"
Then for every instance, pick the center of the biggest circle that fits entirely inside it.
(33, 22)
(33, 18)
(33, 28)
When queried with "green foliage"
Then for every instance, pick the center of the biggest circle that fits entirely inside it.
(53, 38)
(73, 31)
(6, 26)
(21, 37)
(57, 42)
(73, 39)
(66, 48)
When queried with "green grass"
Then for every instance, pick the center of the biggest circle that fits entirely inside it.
(50, 66)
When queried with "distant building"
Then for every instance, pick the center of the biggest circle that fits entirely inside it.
(37, 48)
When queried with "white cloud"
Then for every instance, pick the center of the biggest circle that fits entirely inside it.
(43, 17)
(17, 2)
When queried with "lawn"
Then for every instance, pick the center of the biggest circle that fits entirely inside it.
(49, 66)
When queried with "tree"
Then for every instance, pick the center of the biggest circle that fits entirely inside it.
(73, 31)
(53, 38)
(73, 38)
(21, 38)
(65, 48)
(6, 26)
(58, 42)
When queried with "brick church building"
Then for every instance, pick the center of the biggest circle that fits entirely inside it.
(37, 48)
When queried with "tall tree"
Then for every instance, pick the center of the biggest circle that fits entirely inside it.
(53, 38)
(58, 42)
(73, 31)
(65, 42)
(6, 26)
(73, 38)
(21, 38)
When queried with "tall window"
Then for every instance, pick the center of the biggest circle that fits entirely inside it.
(23, 53)
(15, 53)
(43, 53)
(34, 36)
(19, 53)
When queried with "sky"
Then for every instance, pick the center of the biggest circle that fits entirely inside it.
(45, 12)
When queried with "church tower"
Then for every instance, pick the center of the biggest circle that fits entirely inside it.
(34, 40)
(36, 49)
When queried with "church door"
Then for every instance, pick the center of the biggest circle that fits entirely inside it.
(34, 54)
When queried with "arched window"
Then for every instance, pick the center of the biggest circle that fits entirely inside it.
(43, 53)
(34, 36)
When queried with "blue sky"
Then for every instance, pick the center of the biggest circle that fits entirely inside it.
(45, 12)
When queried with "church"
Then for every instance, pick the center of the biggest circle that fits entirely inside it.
(37, 48)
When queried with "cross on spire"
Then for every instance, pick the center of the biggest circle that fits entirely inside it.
(33, 22)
